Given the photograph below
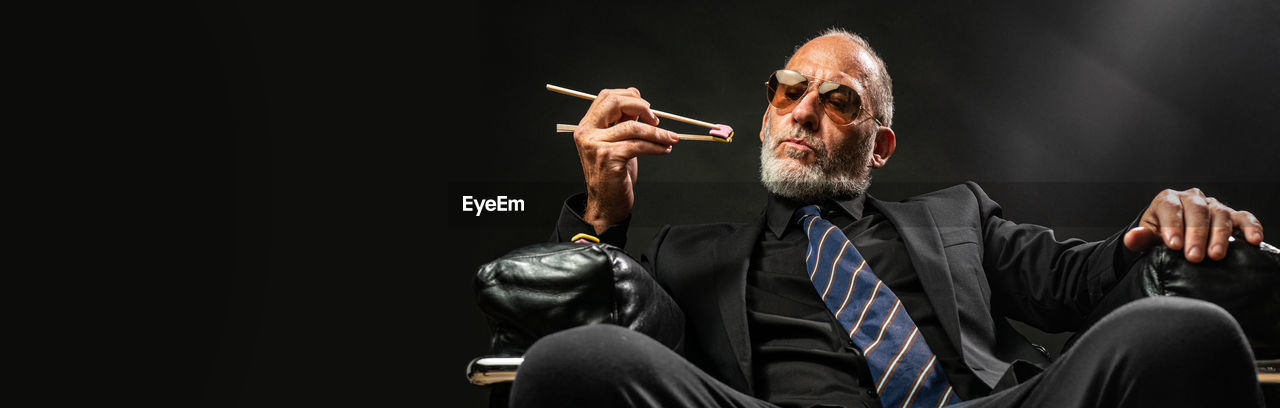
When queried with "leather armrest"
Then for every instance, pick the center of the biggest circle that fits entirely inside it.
(544, 288)
(1246, 283)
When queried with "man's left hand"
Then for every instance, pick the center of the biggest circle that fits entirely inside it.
(1190, 222)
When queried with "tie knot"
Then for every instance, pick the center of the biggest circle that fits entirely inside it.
(808, 211)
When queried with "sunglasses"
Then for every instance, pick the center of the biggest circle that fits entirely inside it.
(841, 102)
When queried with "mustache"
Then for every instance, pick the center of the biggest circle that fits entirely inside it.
(806, 136)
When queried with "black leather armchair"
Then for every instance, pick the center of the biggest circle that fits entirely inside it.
(541, 289)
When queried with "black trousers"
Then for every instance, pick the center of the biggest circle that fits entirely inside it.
(1155, 352)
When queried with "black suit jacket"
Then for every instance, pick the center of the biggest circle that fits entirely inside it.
(976, 268)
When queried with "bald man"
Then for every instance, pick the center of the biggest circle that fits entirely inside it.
(834, 298)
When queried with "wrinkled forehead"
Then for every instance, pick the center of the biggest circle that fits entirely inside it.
(833, 58)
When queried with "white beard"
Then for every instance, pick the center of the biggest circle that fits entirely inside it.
(830, 175)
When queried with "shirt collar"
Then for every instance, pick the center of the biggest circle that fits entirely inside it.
(779, 211)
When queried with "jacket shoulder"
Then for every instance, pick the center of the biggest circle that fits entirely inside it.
(967, 191)
(961, 201)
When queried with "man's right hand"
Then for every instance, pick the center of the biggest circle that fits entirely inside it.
(618, 127)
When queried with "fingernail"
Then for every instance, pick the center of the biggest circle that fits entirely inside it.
(1217, 250)
(1193, 253)
(1174, 241)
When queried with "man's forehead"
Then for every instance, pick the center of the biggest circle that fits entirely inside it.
(832, 54)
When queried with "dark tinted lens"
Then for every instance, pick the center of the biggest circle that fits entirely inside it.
(841, 101)
(785, 88)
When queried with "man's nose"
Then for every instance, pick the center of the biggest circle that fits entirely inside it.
(808, 110)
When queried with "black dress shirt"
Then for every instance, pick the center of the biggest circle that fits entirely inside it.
(801, 355)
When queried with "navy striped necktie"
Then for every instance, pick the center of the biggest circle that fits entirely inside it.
(905, 371)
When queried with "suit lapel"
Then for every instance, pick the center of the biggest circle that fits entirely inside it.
(732, 254)
(924, 245)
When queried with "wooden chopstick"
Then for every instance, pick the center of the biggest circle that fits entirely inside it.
(562, 128)
(661, 114)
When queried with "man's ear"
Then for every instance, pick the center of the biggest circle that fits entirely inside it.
(764, 121)
(886, 141)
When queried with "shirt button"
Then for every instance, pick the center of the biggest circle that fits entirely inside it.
(871, 393)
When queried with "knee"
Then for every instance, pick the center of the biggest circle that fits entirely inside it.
(1185, 347)
(584, 365)
(1181, 329)
(590, 348)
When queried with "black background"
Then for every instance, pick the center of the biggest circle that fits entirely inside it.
(353, 131)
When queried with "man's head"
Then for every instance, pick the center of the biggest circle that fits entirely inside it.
(821, 140)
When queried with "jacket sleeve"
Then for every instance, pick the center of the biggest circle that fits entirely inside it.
(570, 223)
(1050, 283)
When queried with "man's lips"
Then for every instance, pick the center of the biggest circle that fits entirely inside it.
(796, 144)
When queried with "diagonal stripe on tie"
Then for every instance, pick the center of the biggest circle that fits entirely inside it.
(904, 369)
